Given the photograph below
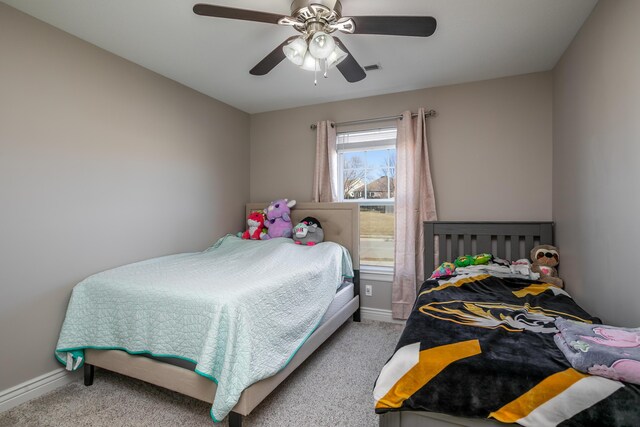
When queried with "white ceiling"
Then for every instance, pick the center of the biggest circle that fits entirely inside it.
(475, 40)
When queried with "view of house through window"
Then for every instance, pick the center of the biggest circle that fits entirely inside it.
(367, 172)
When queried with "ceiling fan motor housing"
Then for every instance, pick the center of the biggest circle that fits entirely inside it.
(316, 15)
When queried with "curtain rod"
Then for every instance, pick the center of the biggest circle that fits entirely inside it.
(430, 113)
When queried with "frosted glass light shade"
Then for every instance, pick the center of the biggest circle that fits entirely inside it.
(310, 63)
(337, 56)
(296, 50)
(321, 45)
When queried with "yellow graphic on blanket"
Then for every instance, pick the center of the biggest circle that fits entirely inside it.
(492, 315)
(430, 363)
(537, 289)
(454, 283)
(542, 392)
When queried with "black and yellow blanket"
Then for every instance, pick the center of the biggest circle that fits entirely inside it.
(482, 347)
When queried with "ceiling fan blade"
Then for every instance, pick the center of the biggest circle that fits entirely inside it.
(271, 60)
(233, 13)
(417, 26)
(349, 67)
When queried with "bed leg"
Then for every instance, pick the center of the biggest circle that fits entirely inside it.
(356, 315)
(235, 419)
(88, 374)
(356, 291)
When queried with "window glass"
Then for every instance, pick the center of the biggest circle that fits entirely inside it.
(376, 234)
(367, 169)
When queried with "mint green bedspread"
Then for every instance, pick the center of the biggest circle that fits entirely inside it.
(239, 310)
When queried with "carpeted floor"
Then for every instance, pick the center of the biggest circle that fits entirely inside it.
(332, 388)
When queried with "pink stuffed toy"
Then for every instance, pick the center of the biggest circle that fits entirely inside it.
(445, 269)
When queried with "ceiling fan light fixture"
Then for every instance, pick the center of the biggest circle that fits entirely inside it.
(337, 56)
(321, 45)
(310, 63)
(296, 50)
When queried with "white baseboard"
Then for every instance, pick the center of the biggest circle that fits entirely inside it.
(379, 315)
(35, 387)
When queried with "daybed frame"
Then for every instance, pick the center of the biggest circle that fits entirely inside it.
(512, 240)
(340, 222)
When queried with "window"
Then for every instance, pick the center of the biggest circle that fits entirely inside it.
(367, 174)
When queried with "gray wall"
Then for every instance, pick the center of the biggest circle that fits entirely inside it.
(490, 149)
(596, 162)
(102, 163)
(490, 146)
(380, 296)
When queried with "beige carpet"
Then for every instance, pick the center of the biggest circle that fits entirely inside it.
(332, 388)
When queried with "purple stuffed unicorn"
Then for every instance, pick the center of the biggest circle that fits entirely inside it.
(278, 221)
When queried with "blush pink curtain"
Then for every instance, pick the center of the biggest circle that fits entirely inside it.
(415, 203)
(325, 188)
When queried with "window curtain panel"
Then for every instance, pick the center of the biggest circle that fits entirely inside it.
(415, 203)
(325, 188)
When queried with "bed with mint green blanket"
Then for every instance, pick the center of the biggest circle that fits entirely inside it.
(239, 310)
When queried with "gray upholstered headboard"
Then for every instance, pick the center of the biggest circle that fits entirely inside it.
(340, 221)
(508, 240)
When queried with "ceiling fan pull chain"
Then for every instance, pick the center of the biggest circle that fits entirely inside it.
(315, 73)
(326, 67)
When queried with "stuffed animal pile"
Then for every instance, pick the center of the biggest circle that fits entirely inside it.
(448, 268)
(467, 260)
(545, 258)
(275, 221)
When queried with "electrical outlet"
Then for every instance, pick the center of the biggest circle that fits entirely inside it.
(368, 290)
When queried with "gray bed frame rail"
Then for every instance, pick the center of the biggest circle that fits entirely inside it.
(508, 240)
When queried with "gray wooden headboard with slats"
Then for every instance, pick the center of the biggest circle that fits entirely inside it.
(508, 240)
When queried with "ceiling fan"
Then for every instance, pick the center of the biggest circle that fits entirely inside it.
(316, 50)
